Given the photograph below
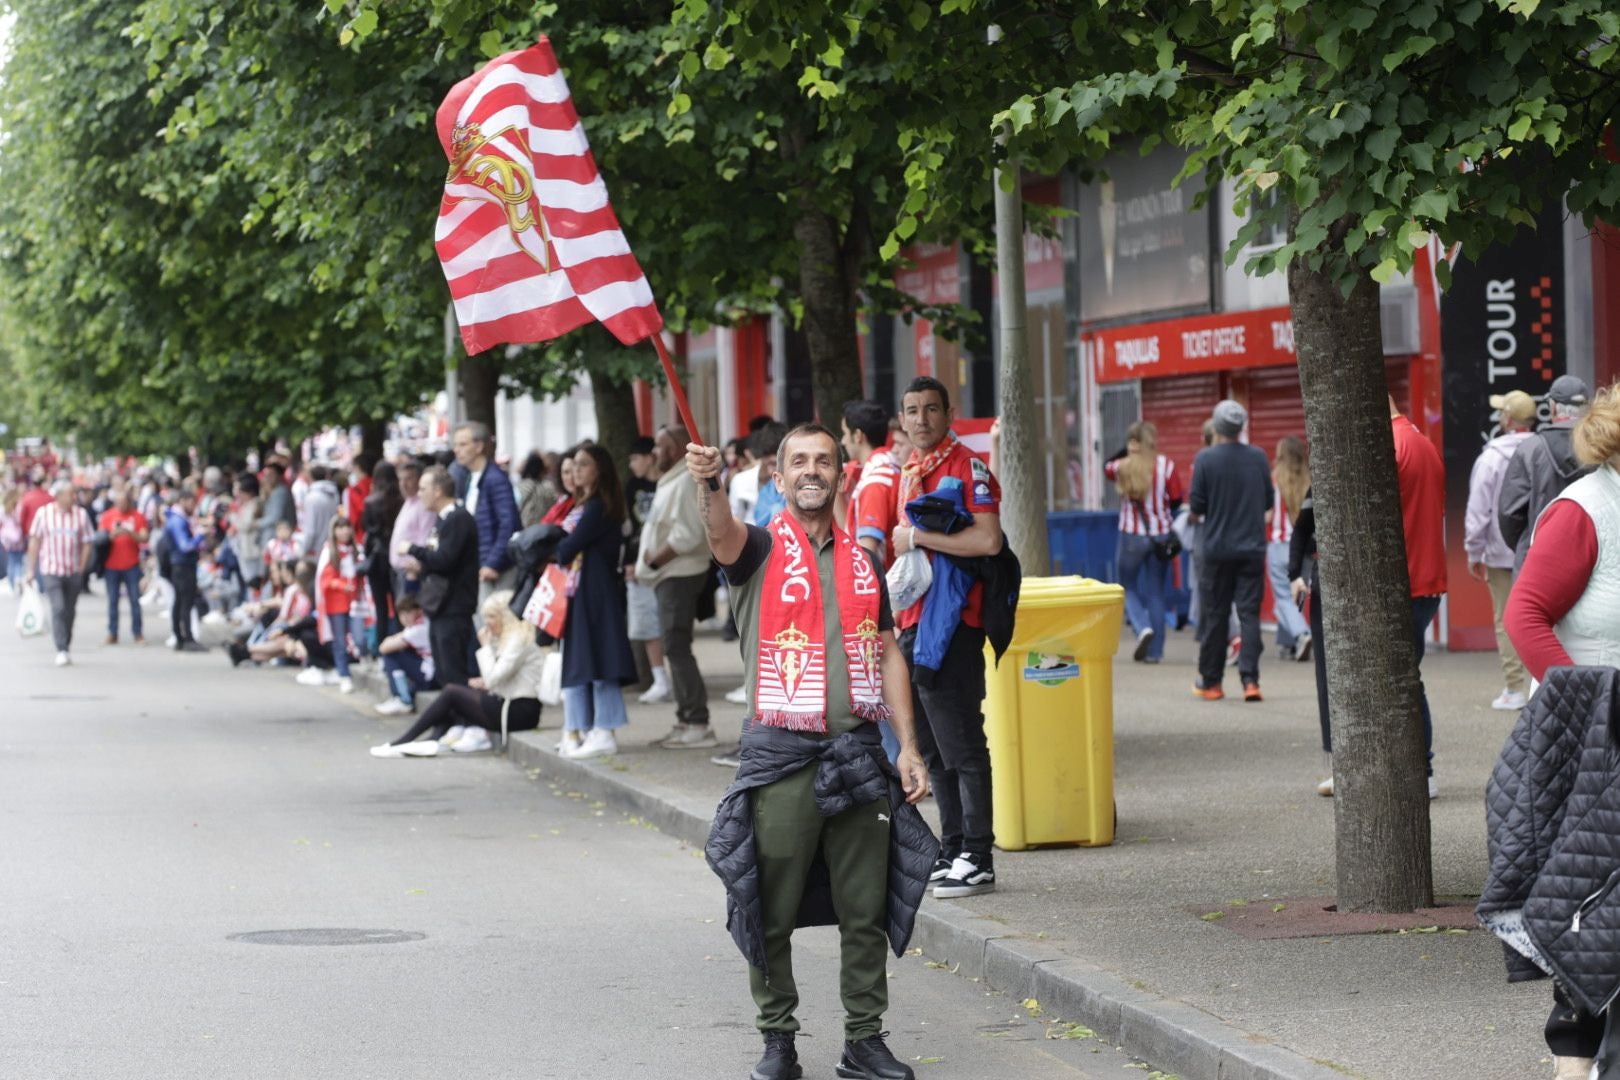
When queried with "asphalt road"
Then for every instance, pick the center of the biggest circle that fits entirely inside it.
(154, 806)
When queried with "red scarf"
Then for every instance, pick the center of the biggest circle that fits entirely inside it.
(920, 465)
(791, 673)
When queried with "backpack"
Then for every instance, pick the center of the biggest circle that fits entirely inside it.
(164, 555)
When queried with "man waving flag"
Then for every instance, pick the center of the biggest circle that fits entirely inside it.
(529, 242)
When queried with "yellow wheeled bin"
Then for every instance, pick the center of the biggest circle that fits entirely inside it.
(1049, 715)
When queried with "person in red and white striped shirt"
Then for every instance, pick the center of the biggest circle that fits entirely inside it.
(1290, 480)
(1149, 493)
(58, 552)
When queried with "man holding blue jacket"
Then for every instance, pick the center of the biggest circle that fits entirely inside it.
(950, 716)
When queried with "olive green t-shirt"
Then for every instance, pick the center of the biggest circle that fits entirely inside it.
(744, 582)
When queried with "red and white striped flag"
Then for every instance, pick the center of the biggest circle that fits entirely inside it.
(529, 242)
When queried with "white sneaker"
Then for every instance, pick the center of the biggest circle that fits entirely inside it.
(1510, 701)
(330, 678)
(1325, 788)
(63, 659)
(690, 737)
(738, 696)
(598, 742)
(425, 748)
(393, 707)
(567, 744)
(387, 750)
(474, 740)
(452, 735)
(170, 642)
(310, 677)
(345, 685)
(1434, 788)
(658, 694)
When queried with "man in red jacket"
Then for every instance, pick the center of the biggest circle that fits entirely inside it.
(1423, 507)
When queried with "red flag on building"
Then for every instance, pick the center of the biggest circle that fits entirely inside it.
(529, 242)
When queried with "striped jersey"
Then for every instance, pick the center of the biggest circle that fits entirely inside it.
(1150, 515)
(62, 535)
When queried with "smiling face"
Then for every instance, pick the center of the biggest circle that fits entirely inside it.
(807, 472)
(925, 418)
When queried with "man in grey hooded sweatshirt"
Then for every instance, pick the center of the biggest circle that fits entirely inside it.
(320, 507)
(1543, 467)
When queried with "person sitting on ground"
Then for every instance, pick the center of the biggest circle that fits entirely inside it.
(292, 636)
(460, 716)
(407, 659)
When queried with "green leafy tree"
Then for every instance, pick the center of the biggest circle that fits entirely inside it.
(1378, 127)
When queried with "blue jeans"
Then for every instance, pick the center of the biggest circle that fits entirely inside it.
(124, 581)
(598, 704)
(1290, 620)
(16, 564)
(404, 671)
(339, 625)
(1146, 578)
(1424, 609)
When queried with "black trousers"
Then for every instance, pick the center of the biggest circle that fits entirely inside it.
(1319, 657)
(471, 708)
(1223, 583)
(1571, 1032)
(183, 576)
(949, 718)
(452, 639)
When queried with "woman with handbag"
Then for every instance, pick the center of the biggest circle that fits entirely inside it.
(461, 716)
(1290, 481)
(597, 662)
(1149, 493)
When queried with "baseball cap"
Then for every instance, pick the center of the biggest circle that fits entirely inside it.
(1515, 403)
(1569, 390)
(1229, 418)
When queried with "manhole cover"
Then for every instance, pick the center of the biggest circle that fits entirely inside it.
(328, 936)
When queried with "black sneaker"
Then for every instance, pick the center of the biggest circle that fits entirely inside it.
(970, 875)
(870, 1059)
(941, 871)
(781, 1060)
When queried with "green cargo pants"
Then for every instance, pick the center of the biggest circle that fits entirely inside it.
(855, 845)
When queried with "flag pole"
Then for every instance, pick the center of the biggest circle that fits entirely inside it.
(679, 394)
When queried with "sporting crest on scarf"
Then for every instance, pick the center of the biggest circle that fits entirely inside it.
(791, 667)
(529, 242)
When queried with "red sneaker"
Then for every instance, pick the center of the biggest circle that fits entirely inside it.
(1251, 692)
(1212, 693)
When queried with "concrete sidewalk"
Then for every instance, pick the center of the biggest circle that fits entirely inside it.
(1217, 813)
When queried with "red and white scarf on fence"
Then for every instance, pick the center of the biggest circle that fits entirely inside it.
(791, 677)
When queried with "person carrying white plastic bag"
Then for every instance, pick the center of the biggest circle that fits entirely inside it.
(33, 617)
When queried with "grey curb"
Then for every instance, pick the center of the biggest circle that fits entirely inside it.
(1171, 1035)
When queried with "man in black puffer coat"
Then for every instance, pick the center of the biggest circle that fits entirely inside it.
(1552, 812)
(818, 828)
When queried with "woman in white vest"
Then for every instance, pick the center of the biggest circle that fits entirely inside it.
(1565, 610)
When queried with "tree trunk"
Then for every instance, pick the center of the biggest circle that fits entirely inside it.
(827, 287)
(372, 434)
(480, 380)
(615, 418)
(1023, 496)
(1381, 806)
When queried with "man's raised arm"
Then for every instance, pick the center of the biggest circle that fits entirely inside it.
(725, 533)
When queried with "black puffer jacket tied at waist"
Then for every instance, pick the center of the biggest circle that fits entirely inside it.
(1552, 810)
(851, 771)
